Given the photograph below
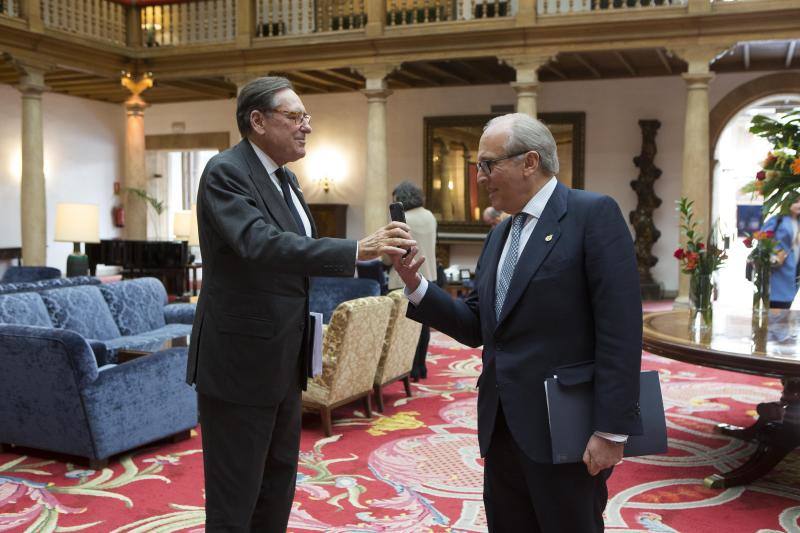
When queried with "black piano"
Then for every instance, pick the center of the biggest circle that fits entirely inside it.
(168, 261)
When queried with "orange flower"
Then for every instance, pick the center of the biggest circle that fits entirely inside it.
(796, 166)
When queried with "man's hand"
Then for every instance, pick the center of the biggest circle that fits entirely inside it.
(392, 240)
(601, 454)
(406, 267)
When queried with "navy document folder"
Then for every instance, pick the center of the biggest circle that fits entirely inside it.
(569, 405)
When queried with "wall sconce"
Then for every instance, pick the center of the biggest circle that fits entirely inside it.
(326, 167)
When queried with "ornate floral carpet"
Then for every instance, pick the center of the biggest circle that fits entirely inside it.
(416, 468)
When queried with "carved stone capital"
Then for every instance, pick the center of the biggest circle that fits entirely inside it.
(527, 66)
(697, 81)
(525, 88)
(375, 74)
(136, 85)
(32, 71)
(700, 57)
(135, 106)
(376, 95)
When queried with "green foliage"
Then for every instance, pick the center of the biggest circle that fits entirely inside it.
(697, 256)
(779, 181)
(157, 205)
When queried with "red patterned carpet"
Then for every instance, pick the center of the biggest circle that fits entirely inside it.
(417, 468)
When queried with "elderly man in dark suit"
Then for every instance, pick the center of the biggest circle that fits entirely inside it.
(556, 284)
(249, 355)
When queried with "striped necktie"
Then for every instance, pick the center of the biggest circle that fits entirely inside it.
(509, 262)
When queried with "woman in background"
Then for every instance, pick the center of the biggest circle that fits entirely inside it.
(783, 281)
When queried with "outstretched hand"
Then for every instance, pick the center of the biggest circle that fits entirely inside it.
(407, 267)
(393, 240)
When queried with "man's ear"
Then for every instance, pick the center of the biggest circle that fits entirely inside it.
(257, 121)
(532, 162)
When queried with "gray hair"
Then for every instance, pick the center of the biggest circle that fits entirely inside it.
(409, 195)
(258, 95)
(526, 134)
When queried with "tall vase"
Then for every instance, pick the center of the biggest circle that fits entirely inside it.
(761, 273)
(701, 287)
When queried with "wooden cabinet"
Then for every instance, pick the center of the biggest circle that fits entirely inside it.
(331, 219)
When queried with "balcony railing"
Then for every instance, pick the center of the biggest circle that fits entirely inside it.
(553, 7)
(203, 21)
(9, 8)
(405, 12)
(292, 17)
(96, 19)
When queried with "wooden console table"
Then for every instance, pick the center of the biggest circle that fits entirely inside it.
(738, 343)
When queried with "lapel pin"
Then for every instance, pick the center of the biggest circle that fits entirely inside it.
(548, 238)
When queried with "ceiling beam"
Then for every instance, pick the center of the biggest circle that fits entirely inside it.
(441, 72)
(324, 85)
(324, 77)
(464, 71)
(789, 54)
(411, 71)
(746, 55)
(199, 88)
(585, 62)
(664, 60)
(555, 70)
(622, 59)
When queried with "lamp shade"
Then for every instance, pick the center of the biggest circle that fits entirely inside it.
(181, 224)
(194, 234)
(77, 223)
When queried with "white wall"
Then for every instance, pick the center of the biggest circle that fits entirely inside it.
(613, 137)
(83, 150)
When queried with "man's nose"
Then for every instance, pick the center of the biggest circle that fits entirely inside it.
(482, 178)
(305, 127)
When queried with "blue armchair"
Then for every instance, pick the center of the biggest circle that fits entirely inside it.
(19, 274)
(374, 269)
(53, 396)
(327, 293)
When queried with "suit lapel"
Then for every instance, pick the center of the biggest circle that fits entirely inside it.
(544, 237)
(295, 184)
(493, 250)
(272, 199)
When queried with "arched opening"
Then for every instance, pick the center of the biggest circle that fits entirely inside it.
(738, 155)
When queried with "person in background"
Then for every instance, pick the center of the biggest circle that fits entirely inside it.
(492, 216)
(783, 281)
(423, 229)
(249, 353)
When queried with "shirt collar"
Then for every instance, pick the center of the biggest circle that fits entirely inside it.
(536, 205)
(266, 160)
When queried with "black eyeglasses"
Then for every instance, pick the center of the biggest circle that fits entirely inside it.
(298, 117)
(486, 165)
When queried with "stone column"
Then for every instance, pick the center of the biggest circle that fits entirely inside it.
(33, 203)
(696, 172)
(376, 198)
(135, 176)
(527, 84)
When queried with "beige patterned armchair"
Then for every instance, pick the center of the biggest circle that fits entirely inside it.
(399, 348)
(351, 349)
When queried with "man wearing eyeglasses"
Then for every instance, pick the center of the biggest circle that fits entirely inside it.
(249, 354)
(556, 284)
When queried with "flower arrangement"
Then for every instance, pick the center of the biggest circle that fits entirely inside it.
(779, 179)
(697, 256)
(760, 262)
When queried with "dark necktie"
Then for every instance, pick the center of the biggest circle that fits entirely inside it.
(283, 179)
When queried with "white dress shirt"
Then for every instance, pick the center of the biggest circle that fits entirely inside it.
(271, 167)
(533, 209)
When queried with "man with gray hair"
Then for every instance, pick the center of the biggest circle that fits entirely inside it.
(249, 354)
(492, 216)
(556, 286)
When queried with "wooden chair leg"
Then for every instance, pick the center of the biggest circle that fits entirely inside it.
(378, 397)
(407, 385)
(97, 464)
(368, 405)
(325, 413)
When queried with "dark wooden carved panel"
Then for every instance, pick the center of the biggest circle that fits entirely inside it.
(331, 219)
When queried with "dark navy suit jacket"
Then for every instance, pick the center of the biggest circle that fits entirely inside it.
(574, 297)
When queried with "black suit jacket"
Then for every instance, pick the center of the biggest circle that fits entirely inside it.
(574, 297)
(251, 322)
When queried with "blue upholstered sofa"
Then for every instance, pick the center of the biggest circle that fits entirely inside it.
(327, 293)
(52, 283)
(57, 390)
(129, 314)
(19, 274)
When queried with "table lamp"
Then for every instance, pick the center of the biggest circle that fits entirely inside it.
(77, 223)
(194, 234)
(181, 224)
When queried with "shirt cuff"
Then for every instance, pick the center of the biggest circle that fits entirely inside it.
(417, 296)
(613, 437)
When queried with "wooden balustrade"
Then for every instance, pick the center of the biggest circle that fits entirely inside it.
(204, 21)
(556, 7)
(405, 12)
(293, 17)
(95, 19)
(9, 8)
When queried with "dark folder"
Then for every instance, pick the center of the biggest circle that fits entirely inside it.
(569, 404)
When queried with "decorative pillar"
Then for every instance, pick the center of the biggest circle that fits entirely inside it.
(377, 179)
(245, 23)
(647, 202)
(527, 84)
(33, 203)
(135, 175)
(376, 18)
(696, 171)
(31, 11)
